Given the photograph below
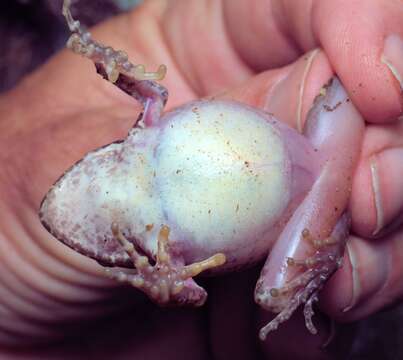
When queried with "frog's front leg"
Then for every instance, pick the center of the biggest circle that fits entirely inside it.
(115, 67)
(169, 281)
(310, 248)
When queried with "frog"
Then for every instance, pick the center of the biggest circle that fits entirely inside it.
(210, 187)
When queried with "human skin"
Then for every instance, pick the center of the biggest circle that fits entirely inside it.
(56, 126)
(217, 204)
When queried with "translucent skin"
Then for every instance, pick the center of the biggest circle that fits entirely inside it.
(212, 183)
(314, 237)
(218, 174)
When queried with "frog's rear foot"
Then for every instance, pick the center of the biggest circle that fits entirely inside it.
(312, 275)
(168, 282)
(304, 289)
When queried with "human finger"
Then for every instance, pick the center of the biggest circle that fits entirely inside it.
(369, 280)
(361, 38)
(377, 182)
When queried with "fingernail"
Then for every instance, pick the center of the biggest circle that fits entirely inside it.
(308, 65)
(356, 288)
(376, 190)
(392, 57)
(289, 88)
(386, 174)
(369, 270)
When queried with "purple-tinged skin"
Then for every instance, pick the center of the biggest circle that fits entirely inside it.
(335, 128)
(214, 186)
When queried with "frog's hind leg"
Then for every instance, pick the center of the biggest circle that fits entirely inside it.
(335, 128)
(115, 67)
(168, 281)
(304, 288)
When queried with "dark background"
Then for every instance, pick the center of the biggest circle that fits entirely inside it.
(32, 30)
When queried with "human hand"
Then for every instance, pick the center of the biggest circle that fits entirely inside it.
(67, 111)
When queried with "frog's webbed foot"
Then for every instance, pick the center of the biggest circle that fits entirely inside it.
(306, 285)
(115, 66)
(167, 282)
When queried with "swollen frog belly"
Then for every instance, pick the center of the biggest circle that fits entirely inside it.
(223, 176)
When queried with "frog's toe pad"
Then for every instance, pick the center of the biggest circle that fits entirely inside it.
(303, 289)
(166, 283)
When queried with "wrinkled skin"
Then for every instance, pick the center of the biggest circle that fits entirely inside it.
(53, 162)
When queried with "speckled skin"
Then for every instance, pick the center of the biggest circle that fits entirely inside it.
(218, 174)
(214, 186)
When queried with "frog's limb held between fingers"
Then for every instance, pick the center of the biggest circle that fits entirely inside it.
(227, 179)
(115, 67)
(314, 238)
(169, 281)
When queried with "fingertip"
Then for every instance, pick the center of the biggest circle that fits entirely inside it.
(368, 280)
(354, 39)
(291, 98)
(392, 56)
(387, 172)
(376, 203)
(363, 222)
